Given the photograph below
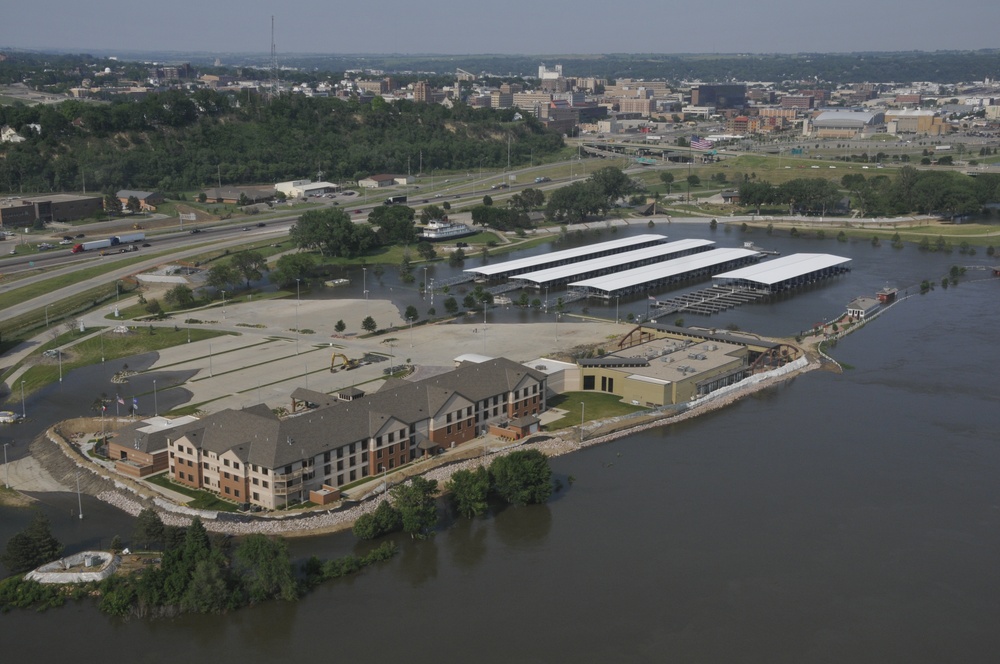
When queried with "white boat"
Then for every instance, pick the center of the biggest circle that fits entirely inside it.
(8, 417)
(436, 231)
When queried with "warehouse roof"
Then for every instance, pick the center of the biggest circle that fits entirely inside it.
(615, 261)
(577, 253)
(784, 268)
(666, 269)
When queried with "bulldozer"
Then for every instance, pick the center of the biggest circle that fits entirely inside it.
(347, 365)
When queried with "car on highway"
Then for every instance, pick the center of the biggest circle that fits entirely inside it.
(146, 244)
(81, 235)
(246, 228)
(357, 212)
(195, 231)
(66, 241)
(261, 225)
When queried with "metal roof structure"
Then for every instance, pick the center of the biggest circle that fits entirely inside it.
(617, 262)
(787, 271)
(643, 278)
(532, 263)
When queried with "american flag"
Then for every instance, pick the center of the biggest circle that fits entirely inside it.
(698, 143)
(121, 401)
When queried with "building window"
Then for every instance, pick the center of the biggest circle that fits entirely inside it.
(256, 496)
(588, 382)
(263, 483)
(227, 490)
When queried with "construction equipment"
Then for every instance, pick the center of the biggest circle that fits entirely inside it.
(346, 366)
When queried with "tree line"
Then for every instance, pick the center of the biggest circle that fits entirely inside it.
(197, 572)
(174, 140)
(523, 477)
(923, 192)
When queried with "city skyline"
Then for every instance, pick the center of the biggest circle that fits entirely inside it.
(514, 27)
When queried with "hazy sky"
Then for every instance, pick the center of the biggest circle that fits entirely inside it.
(503, 26)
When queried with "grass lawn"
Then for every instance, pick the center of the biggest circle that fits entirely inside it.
(116, 346)
(202, 500)
(597, 406)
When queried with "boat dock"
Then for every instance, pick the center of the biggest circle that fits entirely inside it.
(706, 301)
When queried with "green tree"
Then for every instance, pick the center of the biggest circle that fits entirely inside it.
(31, 547)
(667, 178)
(456, 257)
(487, 200)
(208, 589)
(332, 233)
(522, 477)
(415, 502)
(612, 183)
(133, 204)
(180, 296)
(290, 267)
(264, 569)
(222, 276)
(451, 305)
(469, 490)
(411, 313)
(369, 325)
(426, 251)
(248, 264)
(340, 327)
(148, 532)
(431, 213)
(394, 224)
(384, 520)
(112, 205)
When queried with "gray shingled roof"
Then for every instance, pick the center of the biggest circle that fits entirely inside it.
(258, 437)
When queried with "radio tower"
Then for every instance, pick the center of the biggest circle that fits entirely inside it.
(273, 91)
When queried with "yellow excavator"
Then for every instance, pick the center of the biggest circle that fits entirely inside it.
(347, 365)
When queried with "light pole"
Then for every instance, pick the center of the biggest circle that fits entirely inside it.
(546, 299)
(617, 298)
(118, 290)
(102, 346)
(79, 500)
(366, 304)
(583, 409)
(410, 321)
(24, 413)
(223, 305)
(385, 486)
(298, 299)
(425, 279)
(59, 355)
(6, 466)
(156, 406)
(47, 315)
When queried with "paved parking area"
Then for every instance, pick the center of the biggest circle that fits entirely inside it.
(265, 364)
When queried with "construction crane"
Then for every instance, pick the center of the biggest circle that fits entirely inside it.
(346, 366)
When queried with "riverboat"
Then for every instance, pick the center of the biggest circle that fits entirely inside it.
(436, 231)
